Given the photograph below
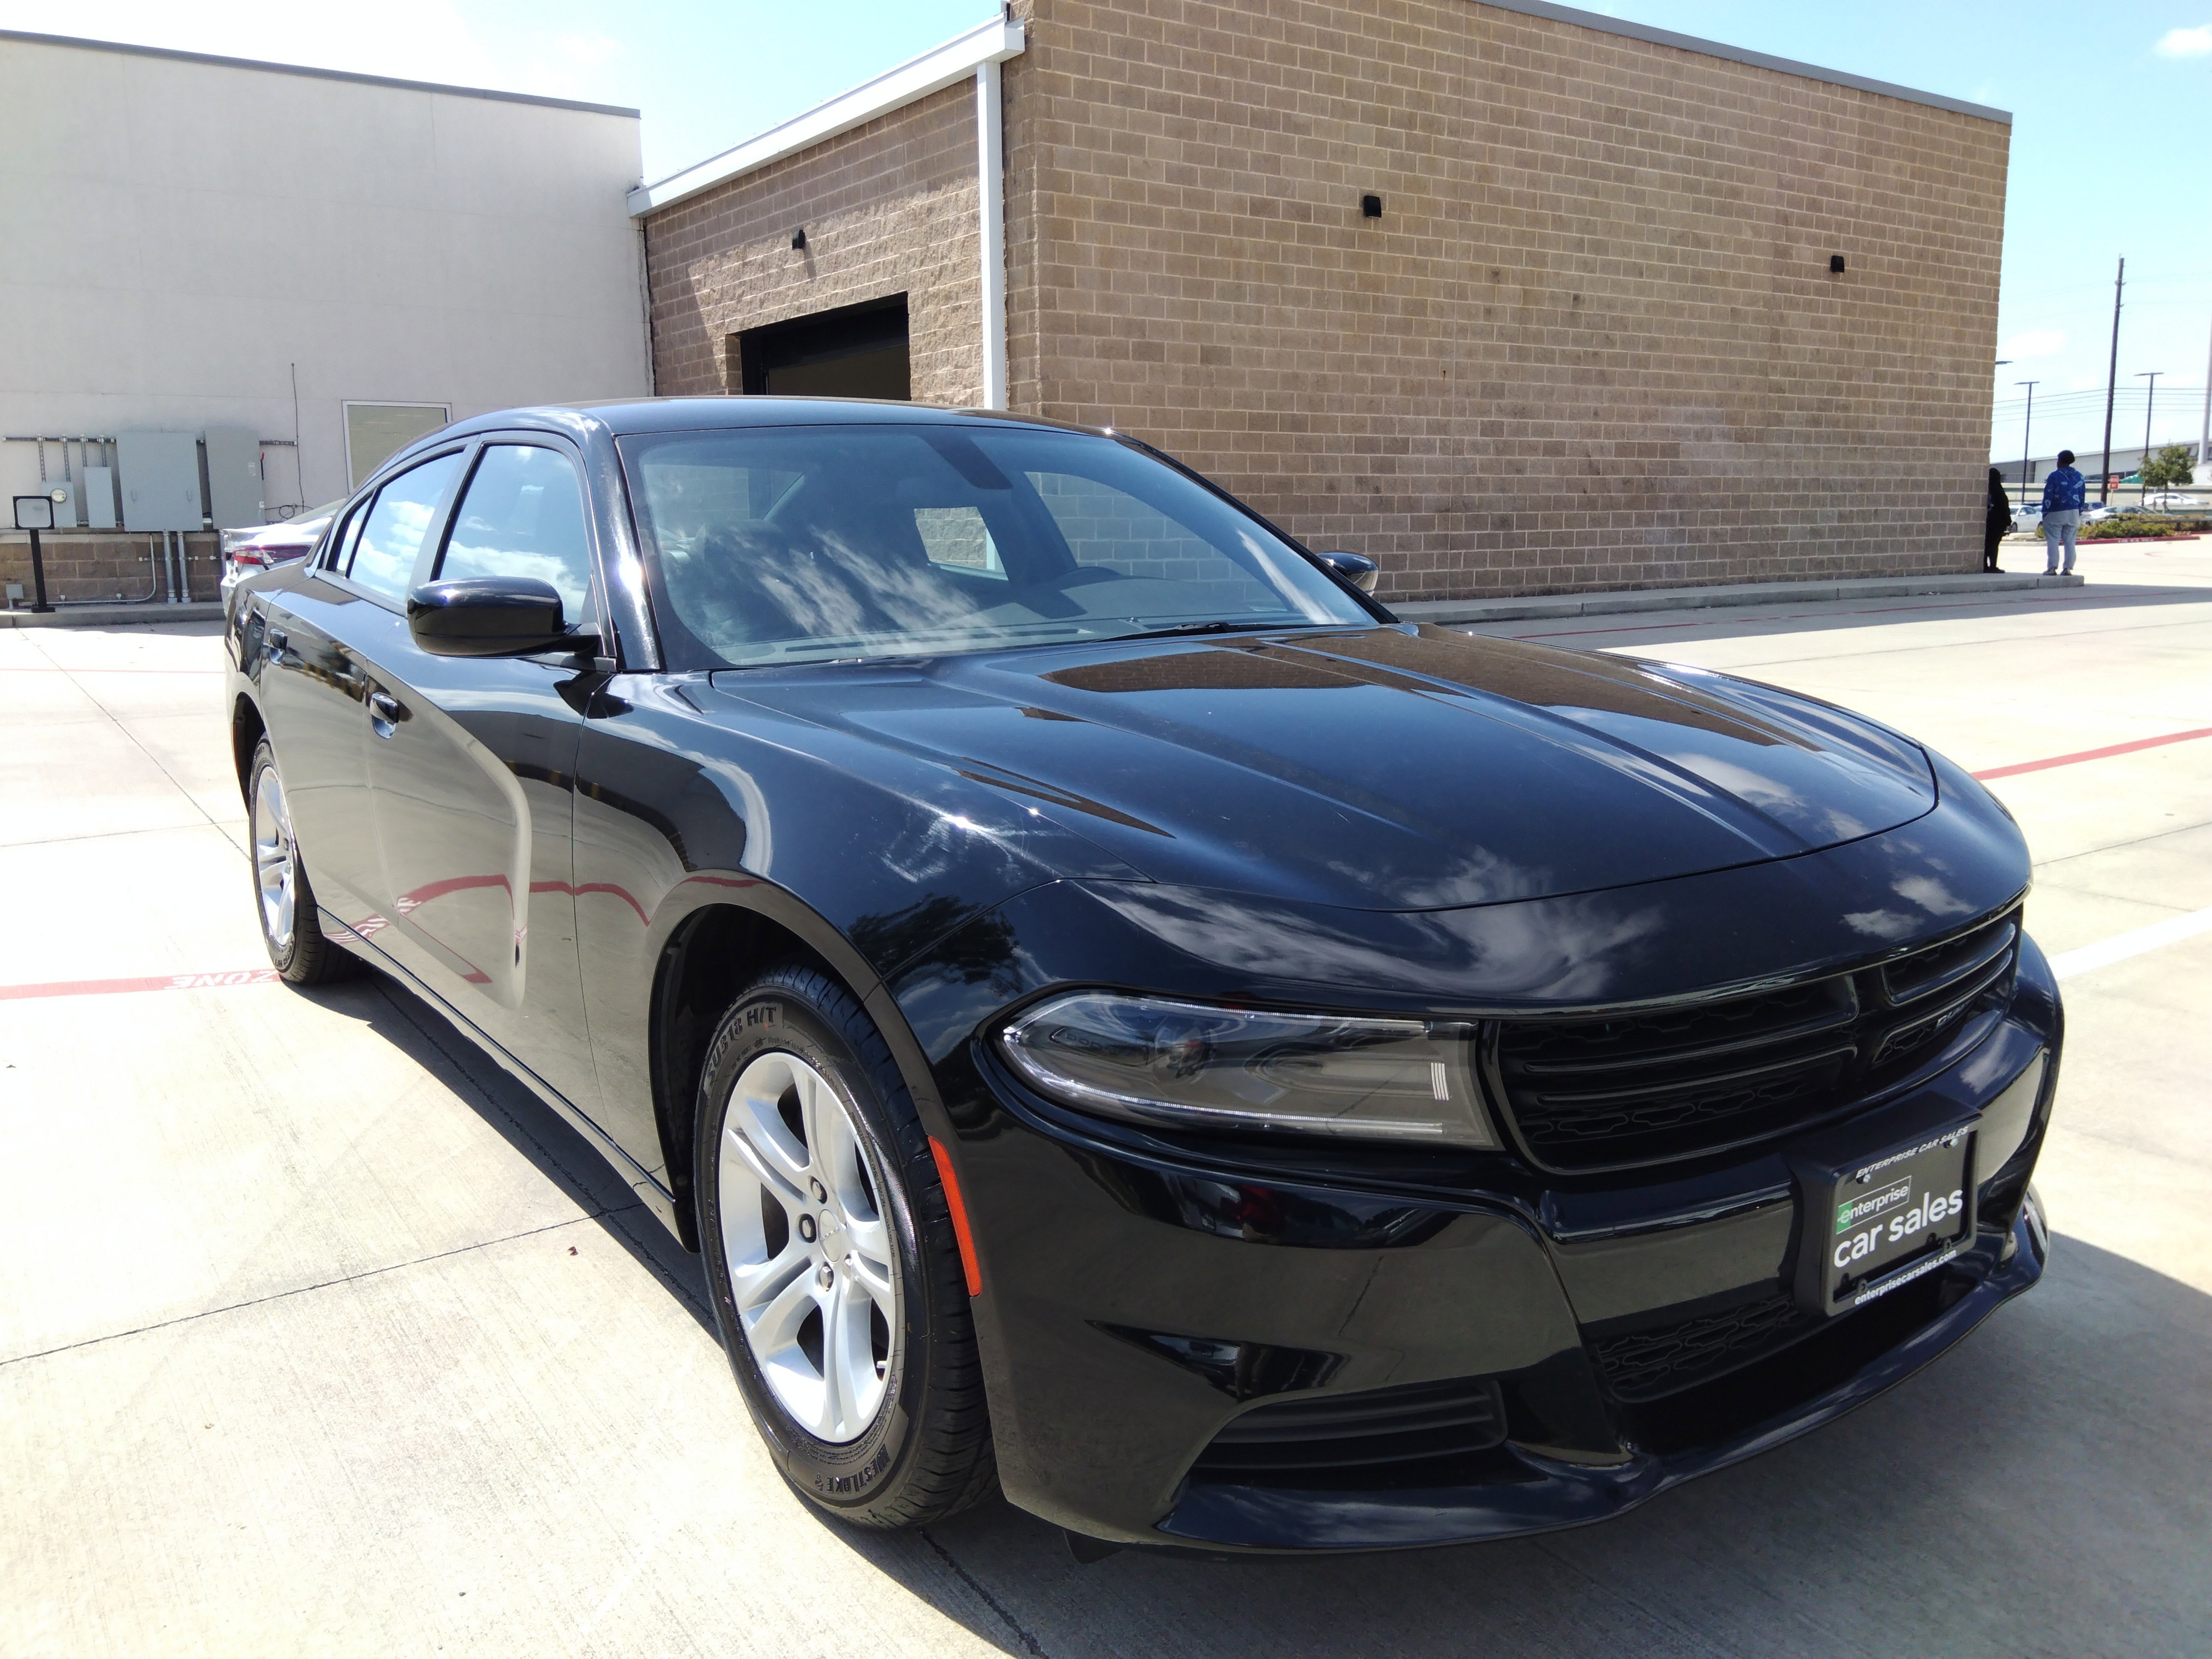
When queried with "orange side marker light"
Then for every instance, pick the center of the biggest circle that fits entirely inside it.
(954, 1202)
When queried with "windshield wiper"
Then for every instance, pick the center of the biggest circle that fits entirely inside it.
(1215, 627)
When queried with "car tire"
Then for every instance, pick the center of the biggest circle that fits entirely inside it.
(820, 1208)
(284, 900)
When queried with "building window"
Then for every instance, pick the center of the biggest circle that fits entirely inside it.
(375, 433)
(854, 351)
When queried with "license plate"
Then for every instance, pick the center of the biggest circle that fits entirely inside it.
(1884, 1222)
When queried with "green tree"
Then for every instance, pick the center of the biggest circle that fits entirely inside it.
(2168, 467)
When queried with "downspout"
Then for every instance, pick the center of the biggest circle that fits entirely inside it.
(645, 303)
(991, 202)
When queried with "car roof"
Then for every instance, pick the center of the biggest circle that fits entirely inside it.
(697, 414)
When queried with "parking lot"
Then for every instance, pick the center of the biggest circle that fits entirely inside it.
(317, 1333)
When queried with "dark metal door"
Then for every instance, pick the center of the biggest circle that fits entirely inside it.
(311, 690)
(470, 771)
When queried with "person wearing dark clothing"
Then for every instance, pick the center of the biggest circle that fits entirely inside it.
(1996, 520)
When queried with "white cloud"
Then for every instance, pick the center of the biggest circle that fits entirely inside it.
(2036, 343)
(589, 49)
(2186, 43)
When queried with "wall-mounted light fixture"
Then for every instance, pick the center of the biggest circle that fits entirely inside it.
(1370, 207)
(1836, 264)
(799, 237)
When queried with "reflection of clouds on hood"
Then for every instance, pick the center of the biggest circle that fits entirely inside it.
(1566, 949)
(1927, 894)
(1775, 798)
(1885, 925)
(1931, 896)
(1480, 877)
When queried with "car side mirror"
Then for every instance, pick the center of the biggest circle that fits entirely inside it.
(490, 617)
(1356, 568)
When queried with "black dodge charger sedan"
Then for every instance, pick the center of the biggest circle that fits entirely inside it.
(1122, 1017)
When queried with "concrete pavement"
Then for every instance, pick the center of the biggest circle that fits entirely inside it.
(315, 1333)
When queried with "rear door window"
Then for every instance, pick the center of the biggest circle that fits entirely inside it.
(393, 529)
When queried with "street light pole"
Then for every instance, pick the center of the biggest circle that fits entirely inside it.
(2111, 384)
(2142, 483)
(2026, 431)
(2204, 432)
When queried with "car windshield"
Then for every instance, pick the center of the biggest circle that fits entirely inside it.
(807, 544)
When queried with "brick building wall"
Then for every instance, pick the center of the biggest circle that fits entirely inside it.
(888, 208)
(1592, 341)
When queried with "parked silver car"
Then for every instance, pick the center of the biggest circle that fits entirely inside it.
(249, 552)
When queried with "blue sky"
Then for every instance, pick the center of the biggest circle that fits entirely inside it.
(2111, 132)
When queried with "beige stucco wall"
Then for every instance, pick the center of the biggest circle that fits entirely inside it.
(188, 242)
(1593, 341)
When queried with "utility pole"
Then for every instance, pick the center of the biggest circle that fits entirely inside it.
(2112, 383)
(2026, 432)
(2142, 483)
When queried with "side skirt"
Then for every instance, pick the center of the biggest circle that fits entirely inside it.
(650, 1193)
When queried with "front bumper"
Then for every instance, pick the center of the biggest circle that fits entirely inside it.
(1135, 1306)
(1766, 1404)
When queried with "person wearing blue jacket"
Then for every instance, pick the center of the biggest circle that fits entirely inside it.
(2065, 495)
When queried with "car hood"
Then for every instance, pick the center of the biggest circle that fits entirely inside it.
(1381, 767)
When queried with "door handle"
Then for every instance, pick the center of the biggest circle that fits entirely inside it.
(384, 712)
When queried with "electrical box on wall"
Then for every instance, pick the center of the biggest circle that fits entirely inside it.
(233, 475)
(100, 499)
(63, 496)
(161, 481)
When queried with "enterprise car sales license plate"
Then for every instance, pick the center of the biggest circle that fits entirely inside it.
(1907, 1205)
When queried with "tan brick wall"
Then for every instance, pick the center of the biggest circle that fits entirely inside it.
(1592, 341)
(888, 207)
(98, 565)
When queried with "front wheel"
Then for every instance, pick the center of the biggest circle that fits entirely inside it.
(291, 929)
(838, 1288)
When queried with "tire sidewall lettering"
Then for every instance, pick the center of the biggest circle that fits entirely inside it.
(834, 1475)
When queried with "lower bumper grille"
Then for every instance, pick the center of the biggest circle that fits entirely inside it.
(1653, 1084)
(1372, 1433)
(1645, 1365)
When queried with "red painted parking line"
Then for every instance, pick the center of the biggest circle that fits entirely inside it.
(2094, 754)
(108, 987)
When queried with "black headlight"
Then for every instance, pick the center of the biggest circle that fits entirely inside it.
(1186, 1064)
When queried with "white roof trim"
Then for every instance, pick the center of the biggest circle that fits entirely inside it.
(956, 60)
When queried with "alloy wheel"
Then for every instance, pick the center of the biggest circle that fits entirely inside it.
(276, 863)
(810, 1254)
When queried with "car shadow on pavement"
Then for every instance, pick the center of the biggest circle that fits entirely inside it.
(2037, 1490)
(529, 1126)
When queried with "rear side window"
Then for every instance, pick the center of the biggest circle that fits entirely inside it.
(341, 553)
(524, 516)
(393, 530)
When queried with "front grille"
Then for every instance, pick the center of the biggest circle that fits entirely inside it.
(1645, 1365)
(1615, 1092)
(1375, 1430)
